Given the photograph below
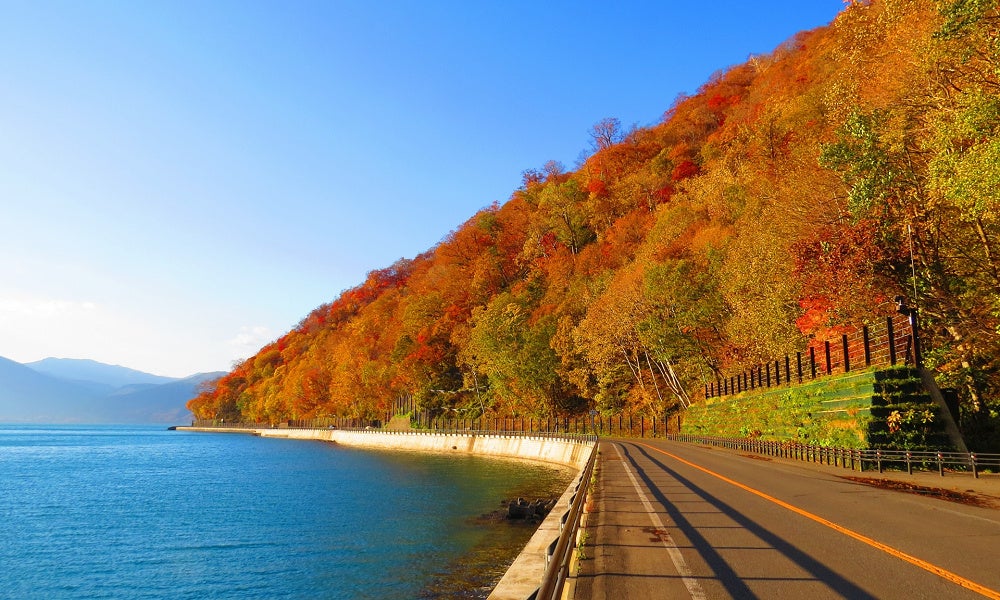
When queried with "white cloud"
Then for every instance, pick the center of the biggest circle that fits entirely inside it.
(251, 338)
(166, 337)
(33, 326)
(43, 308)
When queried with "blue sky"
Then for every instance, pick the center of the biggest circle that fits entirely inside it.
(182, 182)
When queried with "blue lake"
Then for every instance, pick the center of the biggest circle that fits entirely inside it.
(140, 512)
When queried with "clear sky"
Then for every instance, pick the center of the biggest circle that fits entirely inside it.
(183, 181)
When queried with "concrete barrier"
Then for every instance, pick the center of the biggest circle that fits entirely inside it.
(525, 574)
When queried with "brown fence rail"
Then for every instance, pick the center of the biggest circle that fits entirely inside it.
(622, 425)
(889, 344)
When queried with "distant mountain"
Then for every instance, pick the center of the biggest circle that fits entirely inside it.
(27, 395)
(162, 403)
(84, 370)
(85, 391)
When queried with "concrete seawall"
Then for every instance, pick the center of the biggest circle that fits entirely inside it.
(525, 574)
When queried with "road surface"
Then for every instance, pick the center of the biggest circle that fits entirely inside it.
(677, 520)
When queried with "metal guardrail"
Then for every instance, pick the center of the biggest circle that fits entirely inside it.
(875, 459)
(560, 552)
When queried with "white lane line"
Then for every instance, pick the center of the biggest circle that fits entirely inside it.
(692, 585)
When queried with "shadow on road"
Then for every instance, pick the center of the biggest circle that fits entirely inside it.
(733, 584)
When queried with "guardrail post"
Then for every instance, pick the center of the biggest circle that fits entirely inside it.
(878, 460)
(909, 465)
(975, 471)
(940, 460)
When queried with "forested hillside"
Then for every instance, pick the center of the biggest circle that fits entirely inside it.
(781, 203)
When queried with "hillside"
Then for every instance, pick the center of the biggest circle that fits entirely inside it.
(782, 203)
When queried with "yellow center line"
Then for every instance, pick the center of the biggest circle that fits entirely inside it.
(913, 560)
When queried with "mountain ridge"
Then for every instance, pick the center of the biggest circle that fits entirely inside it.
(83, 369)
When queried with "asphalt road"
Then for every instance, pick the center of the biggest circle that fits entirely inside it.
(676, 520)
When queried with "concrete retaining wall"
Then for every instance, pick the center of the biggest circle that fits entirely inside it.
(568, 452)
(525, 574)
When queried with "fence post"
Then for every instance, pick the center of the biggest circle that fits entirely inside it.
(798, 362)
(826, 347)
(788, 369)
(892, 341)
(868, 349)
(812, 361)
(768, 374)
(777, 372)
(847, 354)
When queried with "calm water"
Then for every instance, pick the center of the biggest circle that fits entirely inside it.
(138, 512)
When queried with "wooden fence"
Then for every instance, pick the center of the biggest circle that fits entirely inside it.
(893, 343)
